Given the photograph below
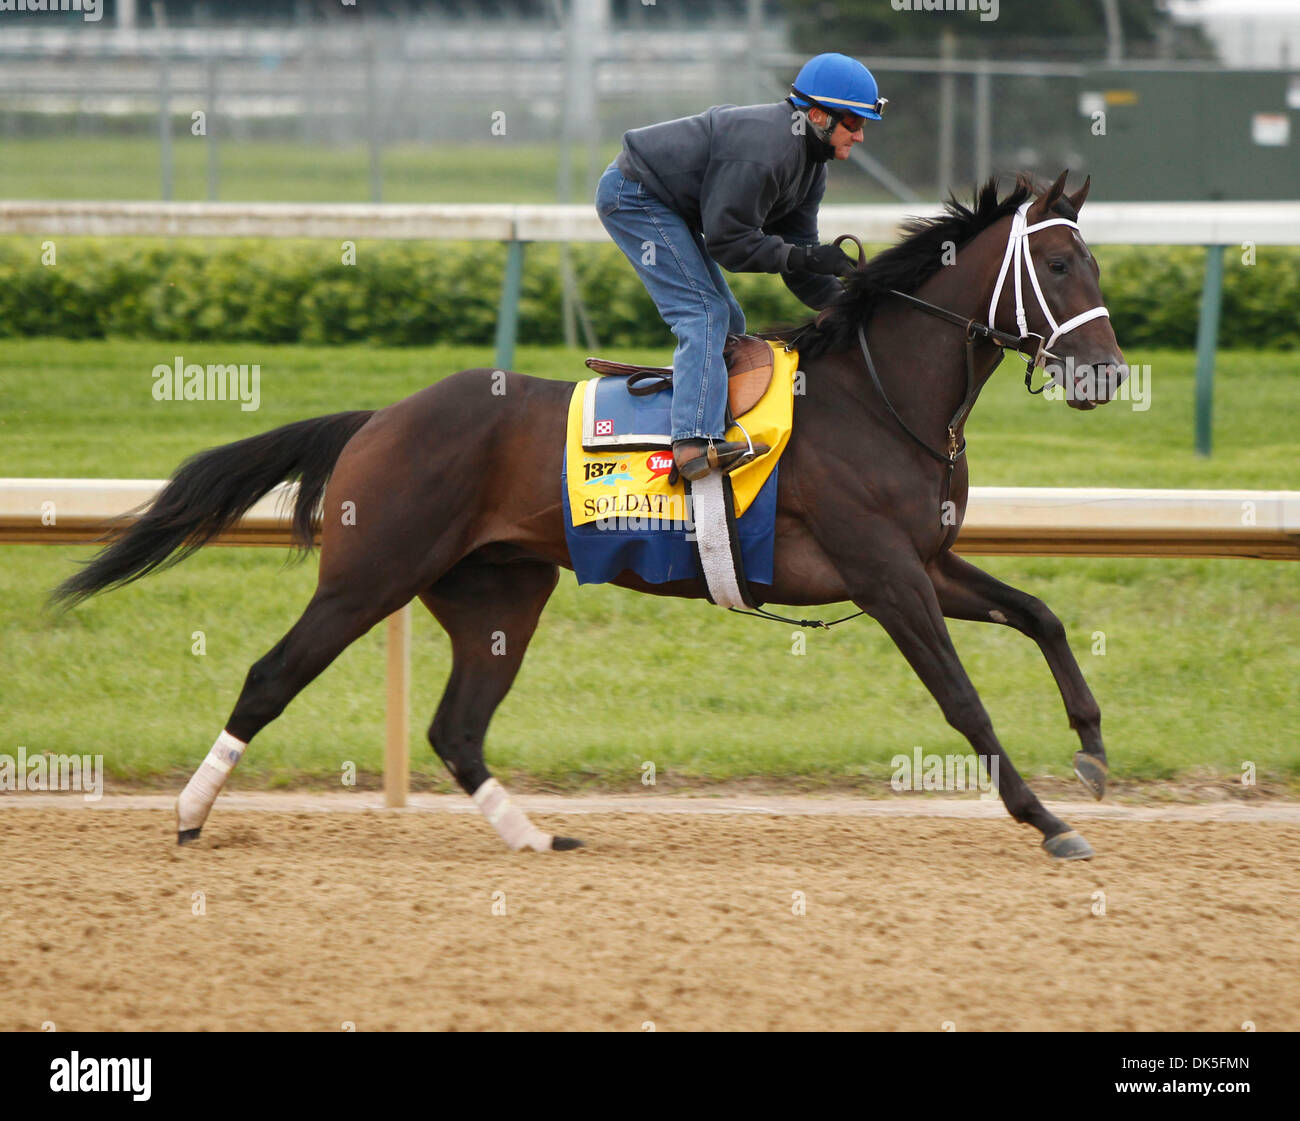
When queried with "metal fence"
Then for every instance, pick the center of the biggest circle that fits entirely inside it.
(564, 85)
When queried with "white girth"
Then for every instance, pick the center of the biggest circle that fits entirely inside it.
(1018, 250)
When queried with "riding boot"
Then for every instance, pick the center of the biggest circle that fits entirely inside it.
(693, 459)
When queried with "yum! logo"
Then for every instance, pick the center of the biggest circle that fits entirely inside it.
(659, 463)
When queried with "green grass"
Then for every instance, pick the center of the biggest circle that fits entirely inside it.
(127, 167)
(1198, 675)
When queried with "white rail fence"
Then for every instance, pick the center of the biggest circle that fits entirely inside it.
(1216, 226)
(1074, 522)
(1153, 223)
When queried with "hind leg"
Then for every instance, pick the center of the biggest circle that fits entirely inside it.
(332, 622)
(372, 563)
(490, 612)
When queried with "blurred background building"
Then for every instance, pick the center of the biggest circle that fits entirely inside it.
(525, 100)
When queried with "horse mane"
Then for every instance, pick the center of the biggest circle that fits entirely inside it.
(908, 264)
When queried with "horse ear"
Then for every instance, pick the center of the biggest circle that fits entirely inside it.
(1076, 199)
(1048, 200)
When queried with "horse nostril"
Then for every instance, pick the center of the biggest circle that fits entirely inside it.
(1105, 379)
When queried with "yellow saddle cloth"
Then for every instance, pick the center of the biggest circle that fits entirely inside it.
(624, 484)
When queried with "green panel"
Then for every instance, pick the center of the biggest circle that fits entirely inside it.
(1190, 136)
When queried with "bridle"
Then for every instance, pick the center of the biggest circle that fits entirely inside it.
(1018, 251)
(1030, 346)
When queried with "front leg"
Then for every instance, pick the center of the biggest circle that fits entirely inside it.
(967, 592)
(903, 601)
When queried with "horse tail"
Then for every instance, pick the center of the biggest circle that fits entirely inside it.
(214, 489)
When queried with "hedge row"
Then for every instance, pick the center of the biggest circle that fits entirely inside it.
(405, 294)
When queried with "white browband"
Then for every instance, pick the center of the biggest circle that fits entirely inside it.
(1018, 250)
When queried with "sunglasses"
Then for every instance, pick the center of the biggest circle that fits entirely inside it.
(853, 123)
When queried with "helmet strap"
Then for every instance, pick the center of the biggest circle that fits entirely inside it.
(833, 118)
(822, 132)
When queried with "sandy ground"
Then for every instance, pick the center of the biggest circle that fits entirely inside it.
(786, 913)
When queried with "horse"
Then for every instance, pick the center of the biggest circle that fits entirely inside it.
(428, 498)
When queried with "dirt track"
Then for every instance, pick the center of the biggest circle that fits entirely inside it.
(385, 921)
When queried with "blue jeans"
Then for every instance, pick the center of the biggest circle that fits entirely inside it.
(690, 292)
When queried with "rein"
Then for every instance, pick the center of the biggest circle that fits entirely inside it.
(1032, 347)
(976, 332)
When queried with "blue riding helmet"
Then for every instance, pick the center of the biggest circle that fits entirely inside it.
(840, 85)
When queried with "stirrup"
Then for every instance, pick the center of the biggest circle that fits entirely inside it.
(721, 455)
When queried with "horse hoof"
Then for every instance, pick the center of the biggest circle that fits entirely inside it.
(1092, 773)
(185, 836)
(1068, 846)
(564, 844)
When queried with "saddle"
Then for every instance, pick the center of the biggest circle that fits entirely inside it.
(749, 373)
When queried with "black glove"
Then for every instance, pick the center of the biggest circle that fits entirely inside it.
(828, 260)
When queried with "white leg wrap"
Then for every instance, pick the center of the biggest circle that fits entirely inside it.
(508, 819)
(195, 802)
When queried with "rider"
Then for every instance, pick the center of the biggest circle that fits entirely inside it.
(738, 187)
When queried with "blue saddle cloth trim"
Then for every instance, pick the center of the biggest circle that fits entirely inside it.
(660, 555)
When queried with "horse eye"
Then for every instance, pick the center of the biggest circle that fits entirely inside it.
(1058, 266)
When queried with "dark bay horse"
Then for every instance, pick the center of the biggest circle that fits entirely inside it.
(453, 495)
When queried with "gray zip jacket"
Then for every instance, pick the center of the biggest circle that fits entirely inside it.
(746, 179)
